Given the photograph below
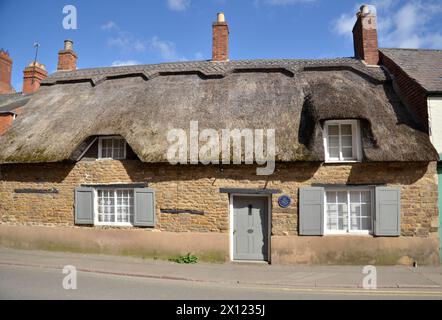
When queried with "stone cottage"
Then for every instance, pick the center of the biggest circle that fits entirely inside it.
(86, 166)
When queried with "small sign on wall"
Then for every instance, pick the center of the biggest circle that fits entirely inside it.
(284, 201)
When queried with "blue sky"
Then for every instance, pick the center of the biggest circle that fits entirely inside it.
(136, 31)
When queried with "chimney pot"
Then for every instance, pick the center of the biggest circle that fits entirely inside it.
(365, 9)
(221, 17)
(68, 44)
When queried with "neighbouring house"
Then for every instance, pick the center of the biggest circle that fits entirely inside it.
(417, 79)
(11, 102)
(86, 165)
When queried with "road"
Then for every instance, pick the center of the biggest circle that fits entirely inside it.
(25, 282)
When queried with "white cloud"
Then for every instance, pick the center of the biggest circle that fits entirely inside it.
(119, 63)
(178, 5)
(344, 24)
(399, 25)
(110, 25)
(165, 49)
(126, 42)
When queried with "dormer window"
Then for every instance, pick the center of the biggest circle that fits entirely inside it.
(342, 141)
(112, 147)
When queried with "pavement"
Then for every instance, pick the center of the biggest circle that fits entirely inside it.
(246, 274)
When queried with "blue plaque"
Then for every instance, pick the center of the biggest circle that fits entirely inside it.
(284, 201)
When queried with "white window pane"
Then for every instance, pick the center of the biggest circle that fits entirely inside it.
(342, 197)
(355, 209)
(366, 224)
(355, 223)
(346, 141)
(112, 148)
(332, 209)
(365, 197)
(113, 206)
(333, 130)
(333, 142)
(355, 196)
(342, 224)
(347, 152)
(346, 129)
(331, 196)
(342, 210)
(332, 224)
(333, 152)
(342, 203)
(365, 210)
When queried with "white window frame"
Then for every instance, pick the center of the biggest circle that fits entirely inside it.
(349, 231)
(100, 148)
(116, 223)
(356, 141)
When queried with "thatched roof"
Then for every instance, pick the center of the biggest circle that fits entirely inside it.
(142, 102)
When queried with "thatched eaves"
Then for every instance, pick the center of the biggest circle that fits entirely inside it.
(141, 103)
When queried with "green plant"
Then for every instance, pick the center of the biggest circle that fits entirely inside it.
(188, 258)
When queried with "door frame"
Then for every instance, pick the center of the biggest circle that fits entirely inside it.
(269, 224)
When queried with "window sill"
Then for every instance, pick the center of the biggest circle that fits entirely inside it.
(342, 161)
(124, 225)
(350, 234)
(107, 159)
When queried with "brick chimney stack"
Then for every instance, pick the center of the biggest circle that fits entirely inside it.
(5, 72)
(220, 45)
(67, 58)
(32, 77)
(365, 36)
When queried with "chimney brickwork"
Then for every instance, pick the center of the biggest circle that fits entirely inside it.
(32, 77)
(365, 36)
(67, 58)
(220, 44)
(5, 73)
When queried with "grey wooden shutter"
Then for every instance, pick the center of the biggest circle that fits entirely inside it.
(311, 211)
(387, 220)
(144, 207)
(84, 205)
